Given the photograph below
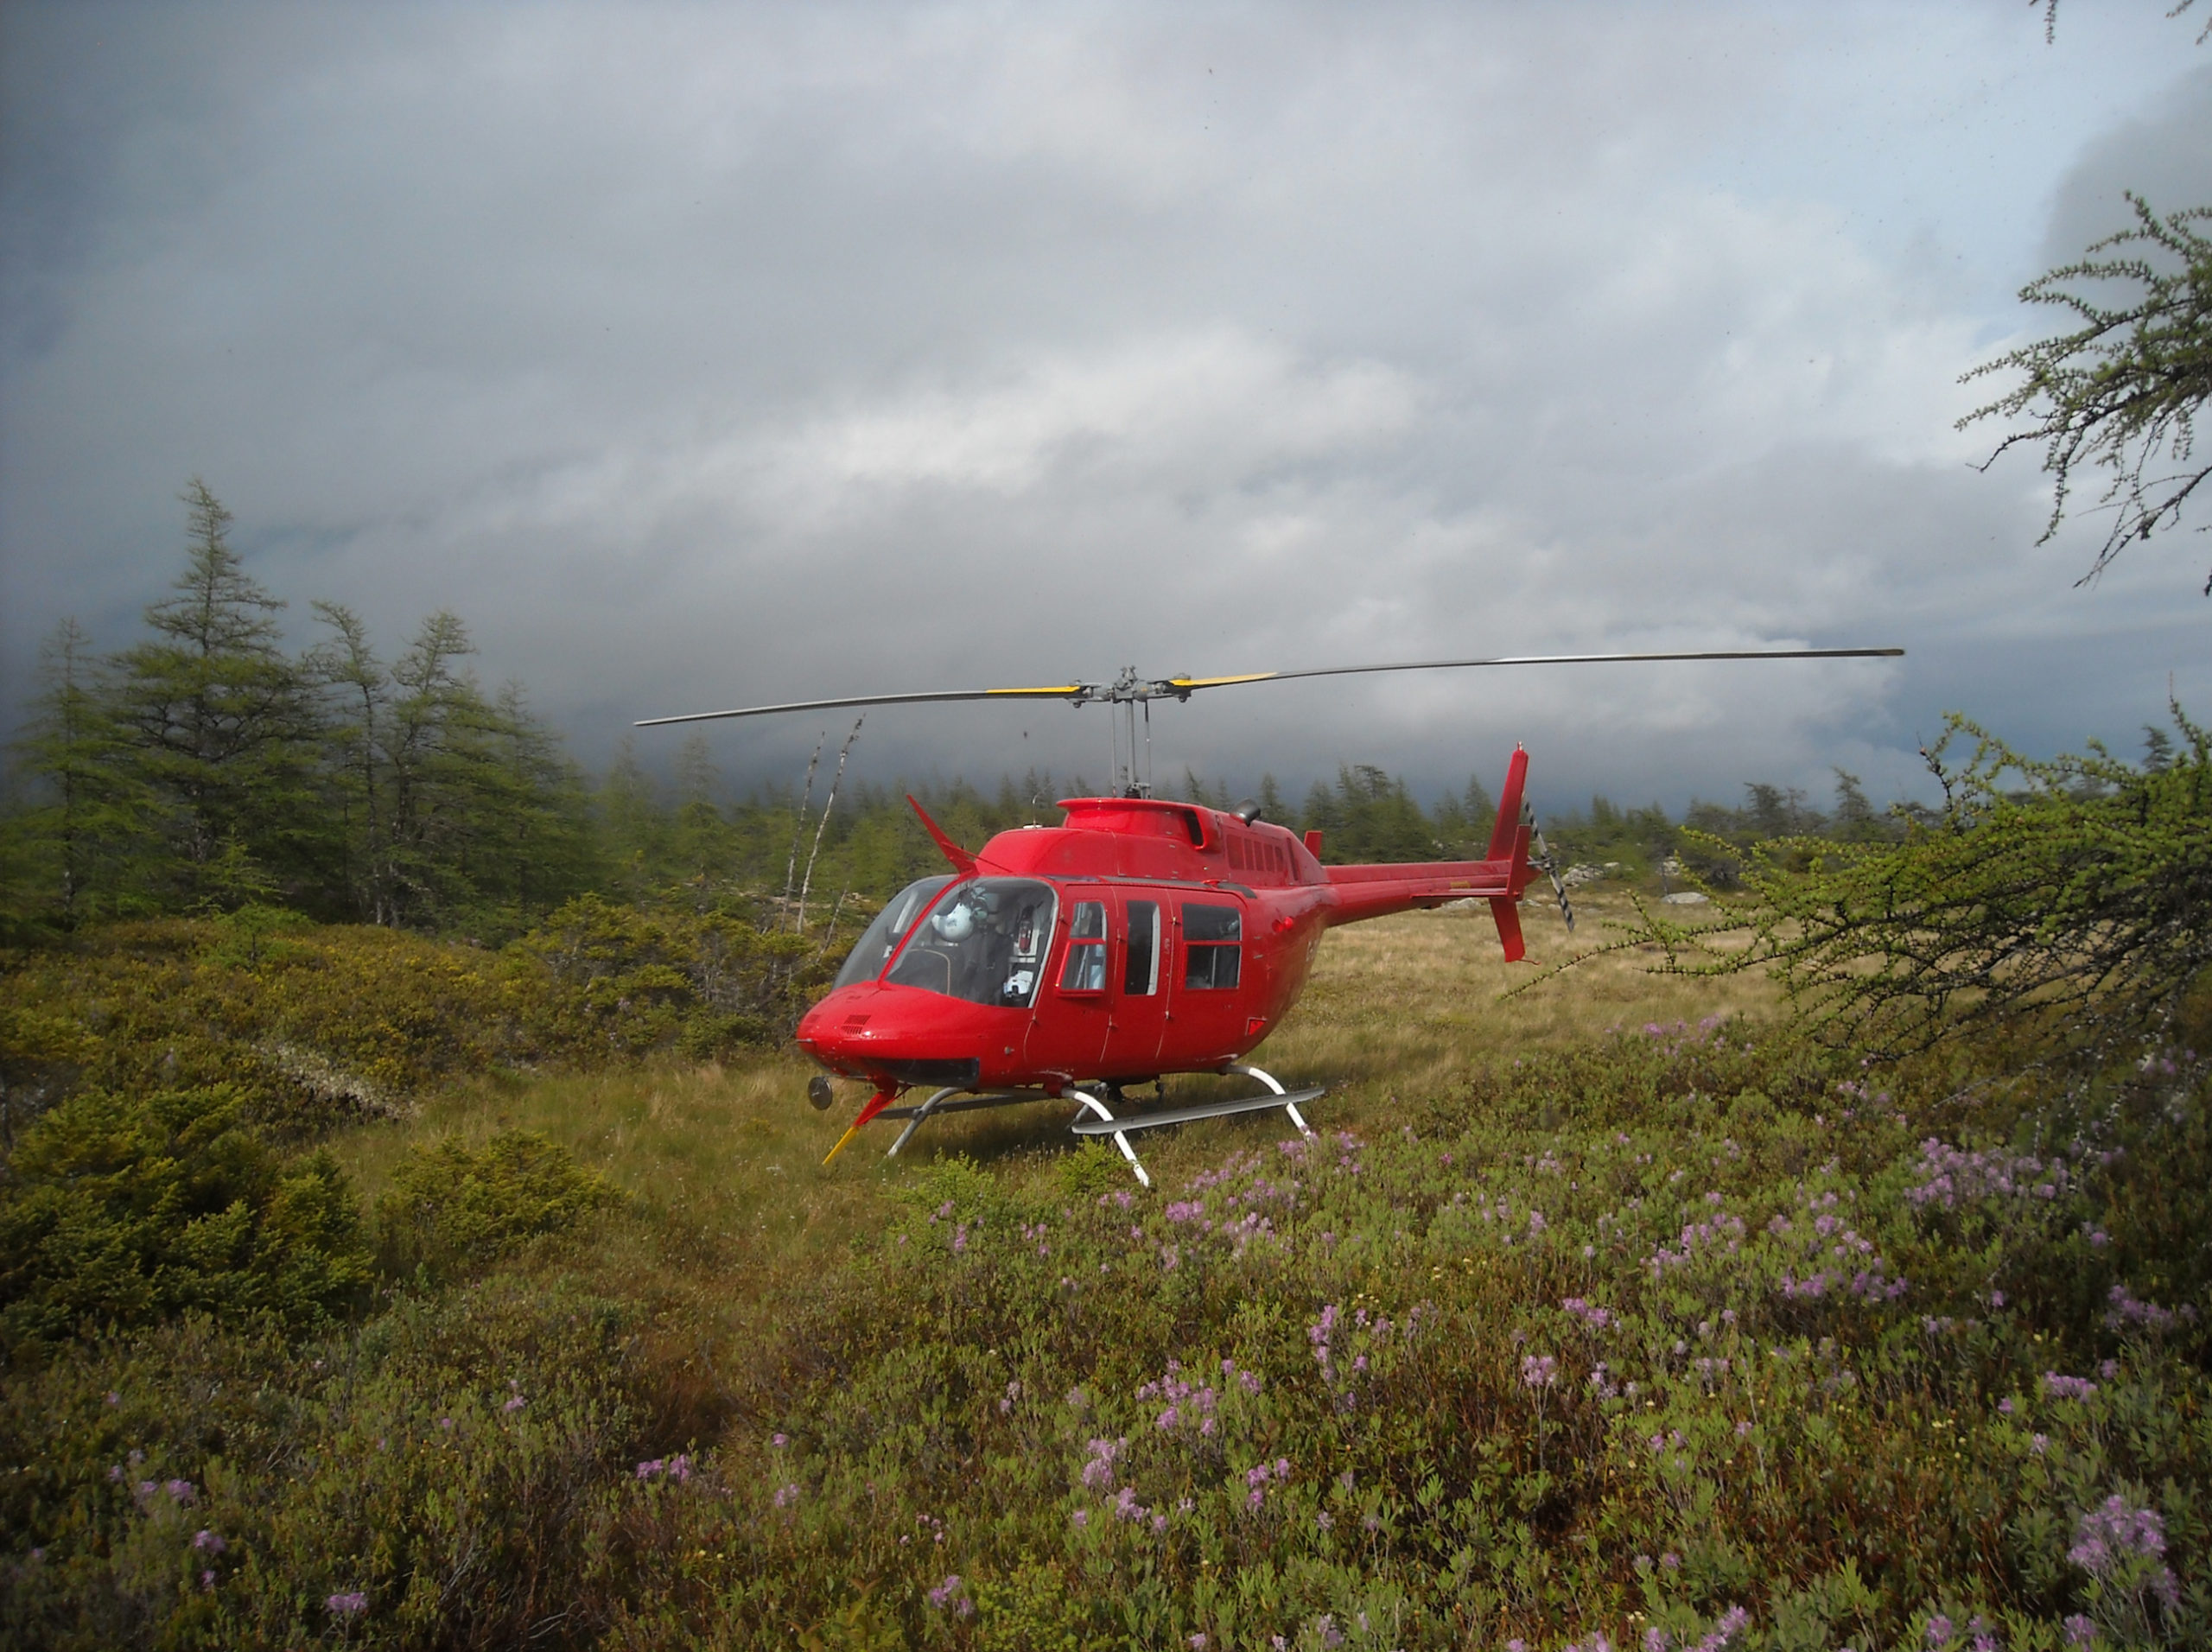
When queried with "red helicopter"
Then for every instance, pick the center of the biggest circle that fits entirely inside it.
(1141, 938)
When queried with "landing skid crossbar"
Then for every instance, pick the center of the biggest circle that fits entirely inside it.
(1191, 1114)
(952, 1101)
(1107, 1124)
(1102, 1123)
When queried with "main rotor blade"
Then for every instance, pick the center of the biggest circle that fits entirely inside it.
(1130, 687)
(1072, 691)
(1182, 685)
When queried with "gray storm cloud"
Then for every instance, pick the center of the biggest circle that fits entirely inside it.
(701, 356)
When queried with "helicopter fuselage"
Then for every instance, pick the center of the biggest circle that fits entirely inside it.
(1142, 936)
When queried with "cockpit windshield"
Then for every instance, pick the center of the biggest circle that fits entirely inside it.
(880, 939)
(985, 941)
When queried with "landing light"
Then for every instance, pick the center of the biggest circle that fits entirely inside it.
(819, 1093)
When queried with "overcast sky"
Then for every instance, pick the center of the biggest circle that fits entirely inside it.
(700, 356)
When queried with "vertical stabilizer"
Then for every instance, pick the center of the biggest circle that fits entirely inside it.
(1508, 807)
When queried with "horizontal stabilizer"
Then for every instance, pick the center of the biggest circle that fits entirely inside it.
(1092, 1127)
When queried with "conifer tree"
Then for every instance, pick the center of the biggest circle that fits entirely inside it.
(1481, 807)
(221, 726)
(435, 755)
(362, 692)
(1272, 806)
(631, 821)
(535, 847)
(84, 841)
(699, 836)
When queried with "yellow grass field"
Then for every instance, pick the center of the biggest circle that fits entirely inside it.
(726, 1197)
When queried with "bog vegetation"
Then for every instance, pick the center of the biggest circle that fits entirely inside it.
(409, 1236)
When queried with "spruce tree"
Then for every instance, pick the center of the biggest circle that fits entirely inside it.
(360, 692)
(538, 849)
(82, 844)
(633, 824)
(700, 838)
(435, 755)
(1272, 806)
(220, 728)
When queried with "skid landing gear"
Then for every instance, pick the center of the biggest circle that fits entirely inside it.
(1099, 1103)
(1108, 1124)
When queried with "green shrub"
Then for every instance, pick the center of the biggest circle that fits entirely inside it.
(1548, 1360)
(464, 1463)
(320, 1026)
(1578, 1354)
(2064, 903)
(122, 1210)
(41, 1054)
(450, 1206)
(642, 978)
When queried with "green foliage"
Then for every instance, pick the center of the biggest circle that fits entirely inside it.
(83, 843)
(2120, 393)
(315, 1025)
(462, 1463)
(41, 1053)
(458, 809)
(219, 725)
(308, 1027)
(1625, 843)
(1405, 1391)
(2076, 899)
(202, 769)
(450, 1207)
(124, 1211)
(1399, 1392)
(1368, 816)
(709, 983)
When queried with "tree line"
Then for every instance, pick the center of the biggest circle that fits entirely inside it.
(203, 768)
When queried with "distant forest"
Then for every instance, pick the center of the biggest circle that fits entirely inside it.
(203, 768)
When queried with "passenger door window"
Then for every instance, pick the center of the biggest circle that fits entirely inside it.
(1211, 949)
(1141, 967)
(1085, 968)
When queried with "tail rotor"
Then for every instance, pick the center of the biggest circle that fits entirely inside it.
(1543, 863)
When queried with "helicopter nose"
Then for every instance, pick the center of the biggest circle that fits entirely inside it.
(900, 1035)
(840, 1020)
(851, 1030)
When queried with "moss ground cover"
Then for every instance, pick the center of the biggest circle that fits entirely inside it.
(1616, 1315)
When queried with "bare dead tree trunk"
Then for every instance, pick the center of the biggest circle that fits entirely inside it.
(798, 826)
(830, 933)
(835, 780)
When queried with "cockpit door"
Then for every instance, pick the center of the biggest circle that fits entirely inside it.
(1067, 1033)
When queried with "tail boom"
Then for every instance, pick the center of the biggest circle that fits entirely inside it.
(1376, 891)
